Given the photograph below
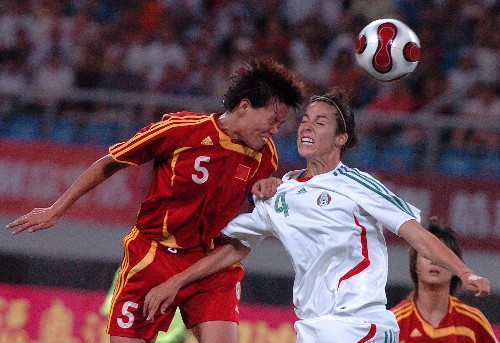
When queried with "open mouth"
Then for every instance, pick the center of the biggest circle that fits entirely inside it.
(307, 140)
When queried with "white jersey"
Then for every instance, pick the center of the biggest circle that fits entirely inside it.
(332, 227)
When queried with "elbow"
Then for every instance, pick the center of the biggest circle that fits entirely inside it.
(240, 251)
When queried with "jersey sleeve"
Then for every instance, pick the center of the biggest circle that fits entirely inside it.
(378, 201)
(249, 228)
(150, 142)
(484, 331)
(139, 149)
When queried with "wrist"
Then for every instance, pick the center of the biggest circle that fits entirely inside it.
(181, 279)
(466, 272)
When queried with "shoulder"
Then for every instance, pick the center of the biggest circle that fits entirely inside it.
(467, 310)
(404, 309)
(185, 118)
(473, 318)
(354, 174)
(180, 122)
(355, 179)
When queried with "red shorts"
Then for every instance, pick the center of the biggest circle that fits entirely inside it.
(145, 265)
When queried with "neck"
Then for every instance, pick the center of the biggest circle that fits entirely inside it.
(316, 167)
(227, 125)
(432, 303)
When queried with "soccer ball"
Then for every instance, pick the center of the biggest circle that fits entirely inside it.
(387, 50)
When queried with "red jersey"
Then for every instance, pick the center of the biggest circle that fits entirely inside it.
(462, 324)
(200, 177)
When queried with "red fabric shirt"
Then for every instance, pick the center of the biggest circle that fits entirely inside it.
(462, 324)
(199, 180)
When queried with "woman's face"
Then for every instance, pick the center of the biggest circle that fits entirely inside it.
(430, 273)
(258, 125)
(317, 134)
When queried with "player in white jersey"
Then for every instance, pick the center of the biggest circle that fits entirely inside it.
(330, 219)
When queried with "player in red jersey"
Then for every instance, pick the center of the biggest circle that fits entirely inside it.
(203, 170)
(432, 313)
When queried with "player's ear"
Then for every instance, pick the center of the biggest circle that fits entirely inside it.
(244, 105)
(341, 139)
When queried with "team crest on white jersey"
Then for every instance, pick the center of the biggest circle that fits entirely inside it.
(324, 199)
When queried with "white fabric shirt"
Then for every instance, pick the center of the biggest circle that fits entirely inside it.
(332, 227)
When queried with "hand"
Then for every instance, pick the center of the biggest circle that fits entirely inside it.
(475, 283)
(37, 219)
(266, 188)
(161, 297)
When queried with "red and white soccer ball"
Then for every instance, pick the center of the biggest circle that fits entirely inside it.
(387, 49)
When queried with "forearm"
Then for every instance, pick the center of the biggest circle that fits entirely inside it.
(222, 257)
(97, 173)
(430, 247)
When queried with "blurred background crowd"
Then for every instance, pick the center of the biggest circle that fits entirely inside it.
(95, 71)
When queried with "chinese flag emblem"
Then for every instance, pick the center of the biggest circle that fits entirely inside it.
(242, 172)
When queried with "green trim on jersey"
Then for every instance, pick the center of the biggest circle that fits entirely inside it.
(376, 187)
(389, 336)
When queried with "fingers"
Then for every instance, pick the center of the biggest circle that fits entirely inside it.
(483, 287)
(256, 189)
(26, 224)
(265, 189)
(37, 219)
(478, 284)
(151, 304)
(164, 306)
(21, 224)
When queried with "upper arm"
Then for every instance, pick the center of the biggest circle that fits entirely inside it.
(241, 251)
(413, 232)
(249, 228)
(110, 165)
(376, 199)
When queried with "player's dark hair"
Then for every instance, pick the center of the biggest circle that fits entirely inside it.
(261, 81)
(449, 238)
(339, 98)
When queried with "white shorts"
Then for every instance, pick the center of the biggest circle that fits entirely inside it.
(334, 329)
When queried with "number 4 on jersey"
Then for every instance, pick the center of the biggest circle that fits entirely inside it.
(280, 204)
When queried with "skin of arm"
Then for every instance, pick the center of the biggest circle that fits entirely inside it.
(43, 218)
(433, 249)
(224, 256)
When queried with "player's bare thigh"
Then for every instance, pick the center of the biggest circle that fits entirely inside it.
(116, 339)
(216, 332)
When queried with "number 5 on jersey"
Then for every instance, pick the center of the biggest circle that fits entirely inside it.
(204, 171)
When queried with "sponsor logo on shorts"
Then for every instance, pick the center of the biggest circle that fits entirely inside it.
(238, 290)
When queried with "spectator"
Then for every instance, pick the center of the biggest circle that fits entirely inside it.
(346, 74)
(482, 108)
(273, 40)
(54, 77)
(308, 54)
(394, 100)
(462, 77)
(163, 52)
(12, 76)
